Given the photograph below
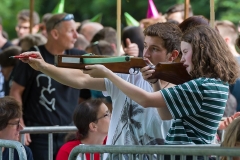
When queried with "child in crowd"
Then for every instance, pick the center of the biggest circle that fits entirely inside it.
(10, 126)
(92, 119)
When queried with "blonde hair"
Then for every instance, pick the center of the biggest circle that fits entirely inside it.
(232, 135)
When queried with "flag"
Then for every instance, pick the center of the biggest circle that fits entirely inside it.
(97, 18)
(59, 7)
(130, 20)
(152, 11)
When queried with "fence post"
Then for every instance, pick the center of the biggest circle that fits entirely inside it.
(50, 146)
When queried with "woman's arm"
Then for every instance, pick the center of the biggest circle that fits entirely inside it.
(137, 94)
(70, 77)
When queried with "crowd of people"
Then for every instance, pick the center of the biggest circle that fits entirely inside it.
(114, 108)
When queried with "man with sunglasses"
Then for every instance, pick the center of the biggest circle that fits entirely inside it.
(45, 101)
(10, 126)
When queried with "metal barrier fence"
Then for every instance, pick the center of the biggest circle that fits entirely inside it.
(50, 130)
(47, 130)
(154, 152)
(13, 145)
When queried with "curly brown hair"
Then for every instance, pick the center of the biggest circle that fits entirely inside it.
(170, 34)
(211, 56)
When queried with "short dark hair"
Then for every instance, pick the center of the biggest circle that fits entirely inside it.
(24, 15)
(85, 113)
(135, 34)
(179, 8)
(9, 109)
(5, 61)
(170, 34)
(108, 34)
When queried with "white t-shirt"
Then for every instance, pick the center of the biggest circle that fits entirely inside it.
(131, 124)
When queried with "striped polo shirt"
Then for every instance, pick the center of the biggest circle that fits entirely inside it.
(197, 107)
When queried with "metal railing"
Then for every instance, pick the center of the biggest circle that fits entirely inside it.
(154, 152)
(13, 145)
(50, 130)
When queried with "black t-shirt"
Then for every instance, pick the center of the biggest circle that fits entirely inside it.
(48, 102)
(16, 156)
(7, 83)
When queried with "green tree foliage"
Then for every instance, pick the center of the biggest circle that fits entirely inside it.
(86, 9)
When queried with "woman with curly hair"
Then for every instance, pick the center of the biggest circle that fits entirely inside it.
(196, 106)
(92, 119)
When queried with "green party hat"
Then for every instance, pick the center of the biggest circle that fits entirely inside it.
(130, 20)
(59, 7)
(97, 18)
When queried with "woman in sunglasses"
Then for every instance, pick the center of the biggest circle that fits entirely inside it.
(92, 119)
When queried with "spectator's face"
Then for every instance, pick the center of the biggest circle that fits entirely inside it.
(154, 50)
(23, 28)
(186, 59)
(103, 121)
(11, 132)
(177, 16)
(67, 34)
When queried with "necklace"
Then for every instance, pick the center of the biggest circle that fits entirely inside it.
(166, 85)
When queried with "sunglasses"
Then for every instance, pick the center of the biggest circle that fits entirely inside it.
(68, 17)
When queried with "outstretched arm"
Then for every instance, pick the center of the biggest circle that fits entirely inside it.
(71, 77)
(137, 94)
(142, 97)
